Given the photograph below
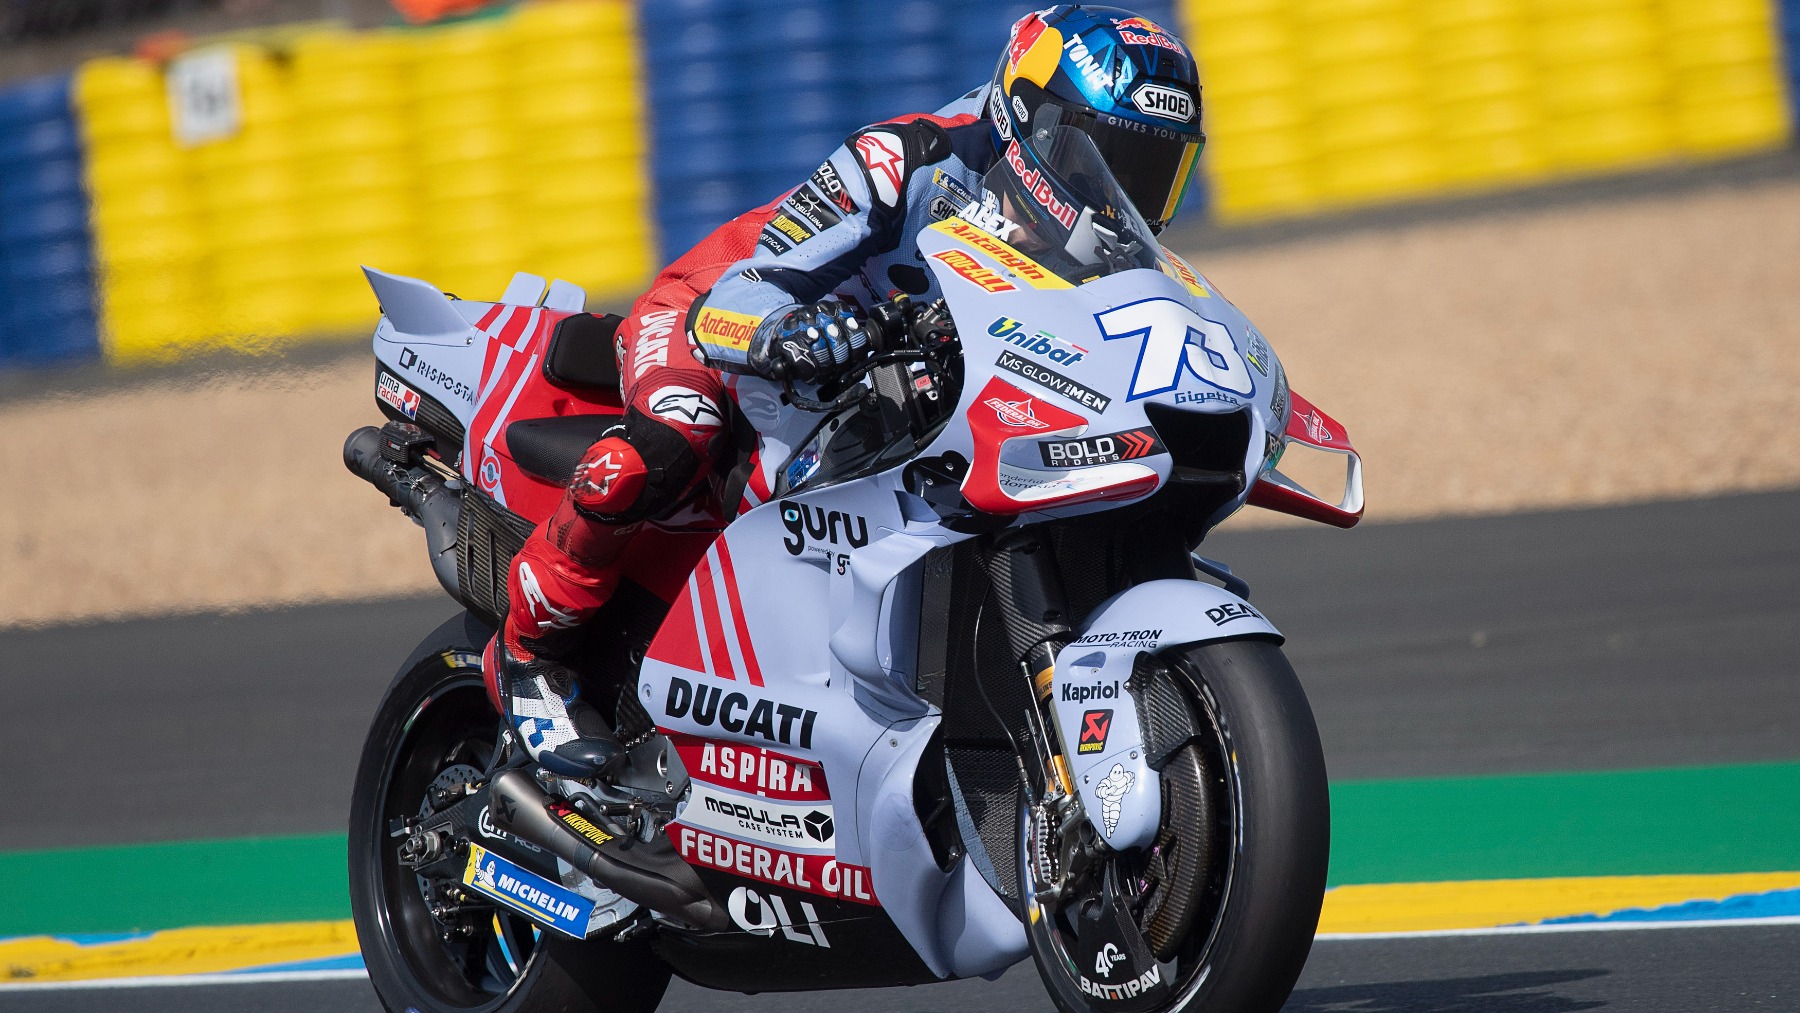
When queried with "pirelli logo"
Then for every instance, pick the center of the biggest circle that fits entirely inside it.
(1186, 275)
(1028, 270)
(716, 328)
(970, 270)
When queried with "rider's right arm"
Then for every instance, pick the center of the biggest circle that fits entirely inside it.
(850, 210)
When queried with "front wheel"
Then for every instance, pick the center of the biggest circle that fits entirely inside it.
(1228, 896)
(430, 947)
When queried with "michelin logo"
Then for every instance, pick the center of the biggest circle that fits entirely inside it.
(526, 892)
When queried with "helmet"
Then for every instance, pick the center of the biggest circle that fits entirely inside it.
(1127, 83)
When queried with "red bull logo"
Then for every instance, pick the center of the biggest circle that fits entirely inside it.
(1144, 32)
(1142, 24)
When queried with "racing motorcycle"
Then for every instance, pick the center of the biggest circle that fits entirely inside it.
(950, 689)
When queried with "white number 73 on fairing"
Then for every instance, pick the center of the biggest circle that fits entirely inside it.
(1175, 337)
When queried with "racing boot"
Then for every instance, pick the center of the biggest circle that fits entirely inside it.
(566, 571)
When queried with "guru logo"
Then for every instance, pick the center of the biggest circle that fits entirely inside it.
(806, 523)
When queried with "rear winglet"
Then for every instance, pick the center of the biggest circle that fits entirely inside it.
(415, 307)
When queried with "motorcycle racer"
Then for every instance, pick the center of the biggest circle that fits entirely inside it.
(779, 293)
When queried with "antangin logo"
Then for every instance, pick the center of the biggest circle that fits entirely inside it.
(725, 328)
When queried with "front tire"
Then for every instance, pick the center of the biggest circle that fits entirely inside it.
(1254, 780)
(436, 723)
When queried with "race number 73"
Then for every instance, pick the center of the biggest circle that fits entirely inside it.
(1176, 338)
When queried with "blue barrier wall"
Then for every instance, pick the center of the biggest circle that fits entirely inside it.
(1790, 39)
(748, 98)
(46, 253)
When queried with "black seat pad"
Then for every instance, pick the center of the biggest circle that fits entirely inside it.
(581, 352)
(551, 448)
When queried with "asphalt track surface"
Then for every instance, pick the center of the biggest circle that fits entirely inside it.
(1653, 635)
(1674, 970)
(1643, 636)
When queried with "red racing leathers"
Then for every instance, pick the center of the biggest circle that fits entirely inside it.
(846, 233)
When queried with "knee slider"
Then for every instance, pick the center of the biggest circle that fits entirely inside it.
(670, 462)
(609, 481)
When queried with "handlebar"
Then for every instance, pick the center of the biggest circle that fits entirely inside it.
(899, 331)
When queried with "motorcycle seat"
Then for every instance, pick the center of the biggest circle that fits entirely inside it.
(549, 449)
(581, 353)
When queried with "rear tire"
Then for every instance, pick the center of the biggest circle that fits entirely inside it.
(435, 716)
(1264, 882)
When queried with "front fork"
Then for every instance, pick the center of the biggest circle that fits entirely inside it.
(1028, 586)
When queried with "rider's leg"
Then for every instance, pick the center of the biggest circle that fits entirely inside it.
(569, 567)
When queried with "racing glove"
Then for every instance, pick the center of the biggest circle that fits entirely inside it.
(812, 343)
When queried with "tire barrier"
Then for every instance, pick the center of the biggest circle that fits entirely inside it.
(748, 98)
(560, 139)
(1320, 104)
(46, 281)
(461, 153)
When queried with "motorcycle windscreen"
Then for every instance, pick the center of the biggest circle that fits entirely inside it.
(1059, 203)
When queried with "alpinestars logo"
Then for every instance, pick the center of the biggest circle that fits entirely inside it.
(1016, 413)
(545, 615)
(683, 403)
(594, 479)
(882, 154)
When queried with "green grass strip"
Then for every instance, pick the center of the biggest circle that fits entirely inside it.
(1615, 823)
(1691, 820)
(141, 887)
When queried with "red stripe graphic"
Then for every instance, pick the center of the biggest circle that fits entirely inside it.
(514, 327)
(494, 346)
(709, 611)
(747, 649)
(759, 485)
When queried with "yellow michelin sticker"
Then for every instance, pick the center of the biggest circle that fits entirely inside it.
(1017, 264)
(724, 329)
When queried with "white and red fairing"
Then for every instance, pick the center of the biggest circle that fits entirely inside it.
(789, 646)
(483, 361)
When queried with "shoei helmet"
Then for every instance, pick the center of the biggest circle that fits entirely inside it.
(1126, 82)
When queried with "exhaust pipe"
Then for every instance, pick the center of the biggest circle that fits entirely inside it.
(420, 495)
(651, 874)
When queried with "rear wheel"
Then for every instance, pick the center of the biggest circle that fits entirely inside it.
(1228, 896)
(428, 946)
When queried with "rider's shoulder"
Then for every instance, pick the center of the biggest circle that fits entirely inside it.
(889, 152)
